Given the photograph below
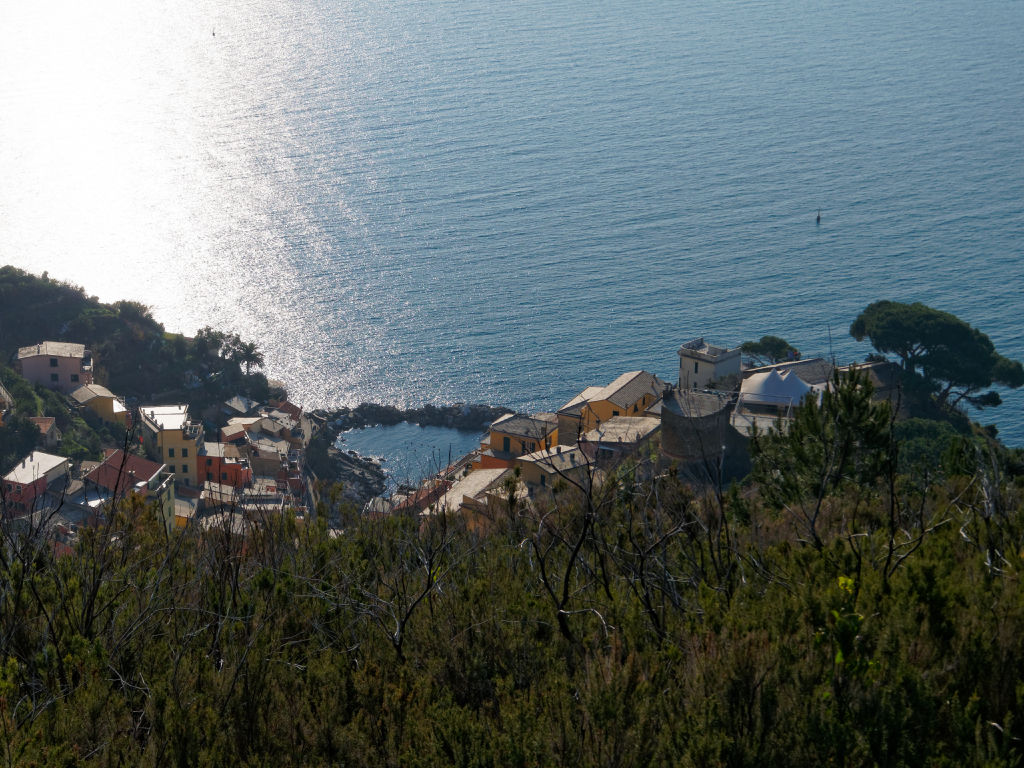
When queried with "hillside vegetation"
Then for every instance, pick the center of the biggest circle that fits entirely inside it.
(134, 356)
(858, 601)
(642, 624)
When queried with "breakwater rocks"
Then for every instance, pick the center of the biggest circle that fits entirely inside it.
(471, 418)
(361, 478)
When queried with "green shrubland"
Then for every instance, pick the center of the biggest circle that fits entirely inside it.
(646, 623)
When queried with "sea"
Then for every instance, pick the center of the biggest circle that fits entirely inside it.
(447, 201)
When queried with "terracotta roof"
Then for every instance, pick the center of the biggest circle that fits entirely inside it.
(45, 423)
(120, 472)
(290, 408)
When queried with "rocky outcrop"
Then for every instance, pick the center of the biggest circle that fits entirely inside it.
(361, 478)
(471, 418)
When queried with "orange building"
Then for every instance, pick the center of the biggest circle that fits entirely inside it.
(222, 463)
(631, 394)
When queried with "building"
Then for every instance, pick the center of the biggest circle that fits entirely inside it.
(812, 371)
(619, 437)
(767, 400)
(102, 402)
(172, 438)
(542, 471)
(631, 394)
(698, 436)
(36, 474)
(700, 364)
(222, 463)
(48, 432)
(514, 435)
(483, 496)
(56, 364)
(240, 406)
(122, 473)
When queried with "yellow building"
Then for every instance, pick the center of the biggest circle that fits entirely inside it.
(514, 435)
(172, 438)
(102, 402)
(631, 394)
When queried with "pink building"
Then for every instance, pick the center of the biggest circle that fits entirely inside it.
(56, 364)
(30, 480)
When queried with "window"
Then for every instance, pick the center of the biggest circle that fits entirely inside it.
(184, 453)
(696, 367)
(53, 362)
(615, 413)
(74, 377)
(170, 453)
(634, 407)
(543, 480)
(209, 476)
(223, 475)
(209, 463)
(54, 377)
(171, 469)
(506, 444)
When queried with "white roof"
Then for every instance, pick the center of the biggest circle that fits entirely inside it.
(773, 388)
(472, 485)
(52, 349)
(166, 416)
(34, 466)
(557, 458)
(266, 442)
(623, 429)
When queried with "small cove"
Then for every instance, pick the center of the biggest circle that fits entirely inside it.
(410, 452)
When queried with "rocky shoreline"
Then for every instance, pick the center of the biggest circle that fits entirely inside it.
(363, 478)
(470, 418)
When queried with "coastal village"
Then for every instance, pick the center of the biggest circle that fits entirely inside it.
(232, 463)
(235, 463)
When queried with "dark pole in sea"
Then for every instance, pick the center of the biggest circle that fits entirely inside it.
(818, 220)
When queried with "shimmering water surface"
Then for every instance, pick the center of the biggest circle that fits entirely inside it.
(421, 200)
(410, 452)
